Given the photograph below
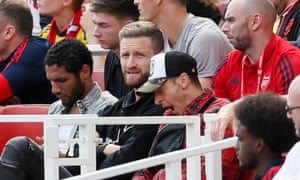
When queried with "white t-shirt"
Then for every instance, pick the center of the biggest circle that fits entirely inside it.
(291, 166)
(202, 39)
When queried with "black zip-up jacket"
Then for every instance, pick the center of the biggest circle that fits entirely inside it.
(135, 140)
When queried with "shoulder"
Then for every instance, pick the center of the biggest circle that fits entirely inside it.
(108, 97)
(215, 106)
(56, 107)
(38, 42)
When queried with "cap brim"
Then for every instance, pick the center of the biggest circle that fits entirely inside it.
(148, 87)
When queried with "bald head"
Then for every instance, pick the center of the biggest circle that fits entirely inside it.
(295, 87)
(293, 102)
(264, 7)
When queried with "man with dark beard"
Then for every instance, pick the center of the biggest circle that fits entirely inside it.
(69, 67)
(139, 41)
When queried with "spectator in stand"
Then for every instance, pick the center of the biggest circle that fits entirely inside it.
(22, 71)
(139, 41)
(255, 51)
(109, 16)
(35, 15)
(174, 80)
(264, 133)
(69, 68)
(287, 25)
(196, 36)
(291, 167)
(204, 8)
(262, 61)
(65, 21)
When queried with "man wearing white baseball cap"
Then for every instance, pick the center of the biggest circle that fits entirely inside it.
(173, 77)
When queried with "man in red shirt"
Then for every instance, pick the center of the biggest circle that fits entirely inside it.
(262, 61)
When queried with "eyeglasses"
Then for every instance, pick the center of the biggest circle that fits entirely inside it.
(290, 109)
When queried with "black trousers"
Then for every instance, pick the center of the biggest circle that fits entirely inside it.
(22, 159)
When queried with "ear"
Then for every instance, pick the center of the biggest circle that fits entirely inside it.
(255, 21)
(158, 2)
(127, 21)
(260, 144)
(183, 80)
(85, 72)
(9, 32)
(67, 2)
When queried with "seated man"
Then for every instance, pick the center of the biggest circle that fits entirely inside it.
(174, 77)
(22, 71)
(69, 68)
(107, 18)
(139, 41)
(65, 21)
(261, 62)
(291, 166)
(264, 133)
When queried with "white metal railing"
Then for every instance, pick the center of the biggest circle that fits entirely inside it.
(169, 159)
(87, 142)
(97, 50)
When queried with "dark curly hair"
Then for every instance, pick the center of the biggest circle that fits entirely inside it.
(264, 116)
(71, 54)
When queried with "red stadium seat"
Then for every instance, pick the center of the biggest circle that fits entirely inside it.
(32, 130)
(98, 75)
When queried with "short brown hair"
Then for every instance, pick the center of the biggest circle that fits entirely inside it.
(143, 29)
(17, 13)
(119, 8)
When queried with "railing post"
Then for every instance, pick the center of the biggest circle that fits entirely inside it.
(50, 150)
(173, 170)
(87, 132)
(213, 160)
(192, 140)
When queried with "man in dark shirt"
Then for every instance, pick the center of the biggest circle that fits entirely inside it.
(22, 71)
(109, 16)
(139, 41)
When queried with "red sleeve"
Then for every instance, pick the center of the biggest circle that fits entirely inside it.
(288, 69)
(230, 164)
(271, 173)
(6, 91)
(219, 83)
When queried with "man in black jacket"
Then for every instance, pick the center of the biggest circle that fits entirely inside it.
(108, 17)
(139, 41)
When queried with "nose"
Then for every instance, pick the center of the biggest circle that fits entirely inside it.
(158, 98)
(55, 88)
(96, 31)
(289, 114)
(237, 146)
(131, 61)
(225, 27)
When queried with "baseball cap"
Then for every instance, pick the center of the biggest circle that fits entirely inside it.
(167, 65)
